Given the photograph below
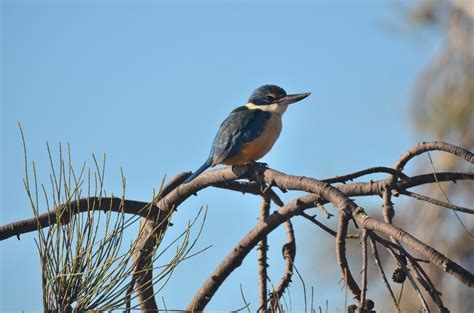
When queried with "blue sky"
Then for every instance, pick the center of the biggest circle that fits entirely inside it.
(148, 83)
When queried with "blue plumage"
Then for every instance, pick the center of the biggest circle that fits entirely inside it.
(238, 129)
(250, 131)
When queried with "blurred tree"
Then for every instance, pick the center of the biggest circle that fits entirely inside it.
(445, 91)
(443, 108)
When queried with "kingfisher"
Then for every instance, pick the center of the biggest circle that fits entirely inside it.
(250, 131)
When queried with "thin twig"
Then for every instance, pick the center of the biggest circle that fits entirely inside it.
(333, 233)
(378, 263)
(447, 199)
(436, 202)
(325, 211)
(409, 274)
(303, 284)
(247, 305)
(372, 170)
(363, 285)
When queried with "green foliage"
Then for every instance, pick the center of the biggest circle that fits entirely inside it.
(85, 263)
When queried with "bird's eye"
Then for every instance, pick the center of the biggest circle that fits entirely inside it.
(269, 98)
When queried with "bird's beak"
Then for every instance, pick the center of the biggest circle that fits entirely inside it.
(289, 99)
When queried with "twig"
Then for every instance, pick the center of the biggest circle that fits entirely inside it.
(431, 146)
(343, 203)
(436, 202)
(429, 178)
(325, 211)
(341, 256)
(428, 252)
(363, 243)
(372, 170)
(262, 258)
(389, 212)
(247, 305)
(304, 286)
(289, 253)
(377, 262)
(387, 206)
(403, 254)
(401, 263)
(324, 227)
(447, 199)
(234, 259)
(425, 281)
(399, 299)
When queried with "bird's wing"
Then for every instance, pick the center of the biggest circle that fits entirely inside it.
(240, 127)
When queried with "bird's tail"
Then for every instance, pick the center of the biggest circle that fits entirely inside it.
(203, 167)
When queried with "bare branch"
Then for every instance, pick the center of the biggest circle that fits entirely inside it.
(372, 170)
(141, 208)
(143, 265)
(341, 256)
(436, 202)
(254, 188)
(142, 254)
(158, 213)
(428, 252)
(49, 218)
(262, 258)
(289, 254)
(431, 146)
(324, 227)
(430, 178)
(234, 259)
(343, 203)
(377, 262)
(363, 243)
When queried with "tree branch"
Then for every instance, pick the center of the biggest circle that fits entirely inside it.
(432, 146)
(289, 254)
(234, 259)
(363, 243)
(83, 205)
(378, 264)
(141, 208)
(144, 250)
(436, 202)
(341, 256)
(158, 213)
(262, 258)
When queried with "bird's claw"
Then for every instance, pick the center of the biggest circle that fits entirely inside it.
(263, 164)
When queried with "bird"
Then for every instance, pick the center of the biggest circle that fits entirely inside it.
(250, 131)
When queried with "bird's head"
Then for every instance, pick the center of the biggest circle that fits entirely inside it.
(273, 98)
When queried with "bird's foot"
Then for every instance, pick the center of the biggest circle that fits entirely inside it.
(261, 164)
(257, 168)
